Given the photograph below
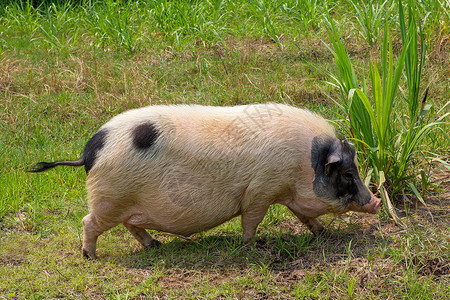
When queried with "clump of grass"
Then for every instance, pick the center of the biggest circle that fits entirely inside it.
(120, 24)
(58, 27)
(203, 20)
(264, 12)
(390, 140)
(435, 17)
(371, 16)
(22, 16)
(308, 13)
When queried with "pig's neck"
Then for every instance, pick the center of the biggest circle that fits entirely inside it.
(308, 207)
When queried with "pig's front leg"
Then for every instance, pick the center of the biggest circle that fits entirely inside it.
(312, 223)
(142, 236)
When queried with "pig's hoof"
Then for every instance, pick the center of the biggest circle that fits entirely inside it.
(86, 255)
(248, 244)
(320, 232)
(153, 244)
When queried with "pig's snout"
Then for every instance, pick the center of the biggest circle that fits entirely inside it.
(371, 207)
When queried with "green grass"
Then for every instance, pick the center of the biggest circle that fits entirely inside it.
(65, 69)
(391, 128)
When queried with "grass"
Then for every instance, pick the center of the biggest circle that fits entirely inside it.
(66, 68)
(392, 141)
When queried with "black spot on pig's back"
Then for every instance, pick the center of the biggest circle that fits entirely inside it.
(94, 145)
(144, 136)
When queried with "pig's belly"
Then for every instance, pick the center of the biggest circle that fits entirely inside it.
(182, 219)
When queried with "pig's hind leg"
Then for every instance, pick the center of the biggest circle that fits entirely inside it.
(92, 228)
(142, 236)
(250, 220)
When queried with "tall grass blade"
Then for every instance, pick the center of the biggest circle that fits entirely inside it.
(390, 142)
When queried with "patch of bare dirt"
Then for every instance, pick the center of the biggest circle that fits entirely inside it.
(441, 176)
(440, 49)
(434, 266)
(8, 68)
(10, 261)
(177, 279)
(306, 95)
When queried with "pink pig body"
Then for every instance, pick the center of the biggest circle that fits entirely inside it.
(186, 169)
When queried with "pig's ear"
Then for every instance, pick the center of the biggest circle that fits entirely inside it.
(333, 160)
(334, 157)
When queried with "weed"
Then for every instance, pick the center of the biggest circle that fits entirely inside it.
(120, 24)
(308, 13)
(58, 28)
(371, 16)
(22, 16)
(390, 140)
(264, 12)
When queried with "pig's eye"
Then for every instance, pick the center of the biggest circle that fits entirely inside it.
(348, 176)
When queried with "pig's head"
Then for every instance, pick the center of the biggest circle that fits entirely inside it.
(336, 177)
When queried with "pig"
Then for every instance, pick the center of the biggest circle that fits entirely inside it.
(184, 169)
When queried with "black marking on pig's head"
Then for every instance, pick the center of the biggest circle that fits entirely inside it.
(144, 136)
(336, 175)
(94, 145)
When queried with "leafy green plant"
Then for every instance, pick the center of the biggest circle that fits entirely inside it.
(436, 14)
(22, 15)
(309, 13)
(371, 16)
(121, 24)
(264, 13)
(163, 14)
(391, 141)
(58, 27)
(202, 20)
